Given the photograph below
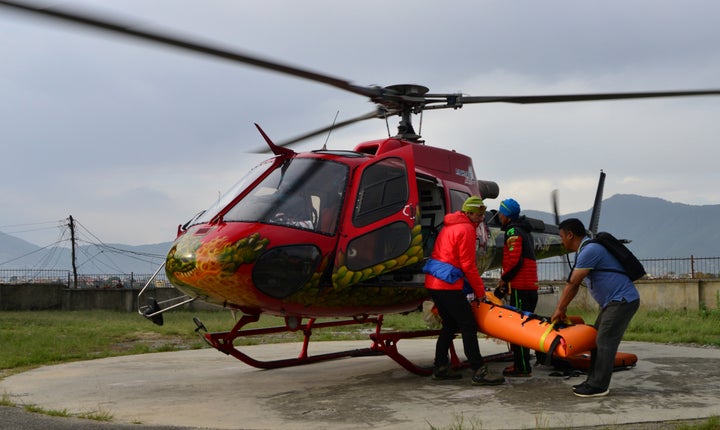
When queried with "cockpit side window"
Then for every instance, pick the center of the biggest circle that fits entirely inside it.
(457, 198)
(383, 191)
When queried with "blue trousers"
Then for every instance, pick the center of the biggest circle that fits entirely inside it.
(611, 324)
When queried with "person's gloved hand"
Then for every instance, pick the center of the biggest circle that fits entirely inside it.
(492, 299)
(500, 292)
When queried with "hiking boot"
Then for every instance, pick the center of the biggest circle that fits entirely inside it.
(483, 376)
(587, 390)
(515, 373)
(443, 373)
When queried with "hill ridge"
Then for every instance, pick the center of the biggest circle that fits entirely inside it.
(656, 227)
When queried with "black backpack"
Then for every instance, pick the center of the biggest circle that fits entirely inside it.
(633, 267)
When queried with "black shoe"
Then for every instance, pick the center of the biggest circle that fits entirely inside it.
(576, 386)
(483, 376)
(587, 390)
(443, 373)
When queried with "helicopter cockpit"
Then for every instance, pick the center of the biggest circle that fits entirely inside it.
(301, 193)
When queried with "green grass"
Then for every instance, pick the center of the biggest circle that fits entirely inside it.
(679, 327)
(35, 338)
(50, 412)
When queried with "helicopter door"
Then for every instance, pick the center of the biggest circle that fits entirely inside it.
(382, 232)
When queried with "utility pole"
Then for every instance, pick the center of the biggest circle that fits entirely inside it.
(71, 224)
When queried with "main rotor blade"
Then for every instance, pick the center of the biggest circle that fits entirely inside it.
(132, 30)
(378, 113)
(581, 97)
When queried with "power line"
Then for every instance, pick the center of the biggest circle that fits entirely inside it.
(28, 254)
(93, 252)
(16, 229)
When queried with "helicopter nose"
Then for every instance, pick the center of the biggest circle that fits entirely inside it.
(238, 268)
(284, 270)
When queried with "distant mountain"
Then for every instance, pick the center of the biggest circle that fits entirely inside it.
(90, 258)
(658, 229)
(12, 248)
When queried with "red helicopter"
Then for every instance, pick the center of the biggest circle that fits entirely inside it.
(331, 234)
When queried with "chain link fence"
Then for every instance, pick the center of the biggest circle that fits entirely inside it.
(552, 269)
(558, 268)
(65, 277)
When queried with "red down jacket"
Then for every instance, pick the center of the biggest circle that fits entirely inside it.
(455, 245)
(519, 268)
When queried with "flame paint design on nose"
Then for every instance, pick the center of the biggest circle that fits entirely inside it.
(211, 265)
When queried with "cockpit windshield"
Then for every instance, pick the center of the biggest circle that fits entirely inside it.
(302, 193)
(208, 214)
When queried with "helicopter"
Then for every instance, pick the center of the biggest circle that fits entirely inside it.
(331, 234)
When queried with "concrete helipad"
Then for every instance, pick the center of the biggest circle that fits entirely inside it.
(207, 389)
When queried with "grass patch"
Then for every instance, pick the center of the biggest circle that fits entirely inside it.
(5, 400)
(51, 412)
(35, 338)
(712, 423)
(46, 337)
(99, 415)
(662, 326)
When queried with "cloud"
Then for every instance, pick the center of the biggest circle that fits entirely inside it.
(136, 138)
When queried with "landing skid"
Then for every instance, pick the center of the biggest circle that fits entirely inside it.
(382, 343)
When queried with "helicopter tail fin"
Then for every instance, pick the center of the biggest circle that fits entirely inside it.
(597, 205)
(277, 150)
(595, 216)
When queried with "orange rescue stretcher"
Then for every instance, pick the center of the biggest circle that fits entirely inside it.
(532, 331)
(570, 342)
(623, 361)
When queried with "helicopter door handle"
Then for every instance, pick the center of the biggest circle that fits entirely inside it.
(409, 211)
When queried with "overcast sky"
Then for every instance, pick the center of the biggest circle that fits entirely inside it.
(133, 139)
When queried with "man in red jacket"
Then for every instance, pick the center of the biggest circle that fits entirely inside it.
(519, 277)
(452, 263)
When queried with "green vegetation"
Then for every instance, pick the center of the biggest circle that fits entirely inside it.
(680, 327)
(711, 423)
(5, 400)
(51, 412)
(99, 415)
(35, 338)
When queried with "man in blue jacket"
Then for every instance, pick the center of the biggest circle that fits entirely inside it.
(612, 289)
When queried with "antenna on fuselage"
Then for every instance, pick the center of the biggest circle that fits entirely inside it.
(330, 131)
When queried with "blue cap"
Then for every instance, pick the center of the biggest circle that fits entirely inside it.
(510, 208)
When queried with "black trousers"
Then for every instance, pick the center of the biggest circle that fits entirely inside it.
(457, 316)
(525, 300)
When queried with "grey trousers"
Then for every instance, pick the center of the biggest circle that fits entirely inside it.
(611, 324)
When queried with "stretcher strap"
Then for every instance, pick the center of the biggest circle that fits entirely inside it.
(551, 351)
(544, 336)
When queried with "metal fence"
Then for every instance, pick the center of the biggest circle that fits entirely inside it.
(65, 277)
(552, 269)
(557, 269)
